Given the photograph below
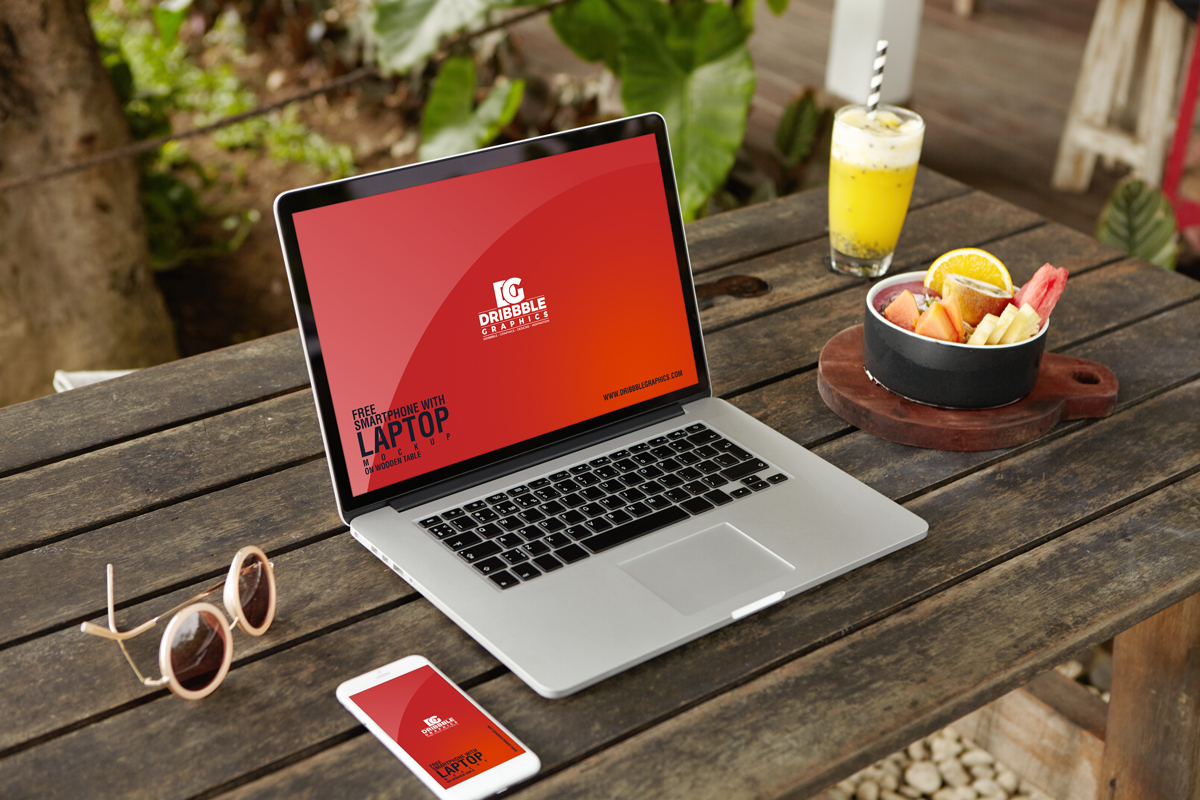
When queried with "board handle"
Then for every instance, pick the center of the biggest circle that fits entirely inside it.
(1088, 389)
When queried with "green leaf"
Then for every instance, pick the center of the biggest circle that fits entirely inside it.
(408, 31)
(797, 131)
(449, 125)
(168, 19)
(595, 30)
(1139, 220)
(705, 106)
(777, 6)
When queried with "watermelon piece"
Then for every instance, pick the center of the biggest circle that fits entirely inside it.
(1043, 290)
(903, 311)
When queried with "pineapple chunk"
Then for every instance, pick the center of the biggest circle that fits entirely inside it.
(1006, 318)
(984, 329)
(1024, 325)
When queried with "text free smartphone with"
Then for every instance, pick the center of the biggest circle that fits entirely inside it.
(457, 749)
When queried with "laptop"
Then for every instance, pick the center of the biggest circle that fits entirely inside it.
(506, 357)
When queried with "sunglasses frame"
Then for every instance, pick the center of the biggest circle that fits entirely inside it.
(181, 612)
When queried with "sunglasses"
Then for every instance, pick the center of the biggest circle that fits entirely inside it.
(197, 646)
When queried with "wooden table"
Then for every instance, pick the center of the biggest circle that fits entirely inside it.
(1033, 553)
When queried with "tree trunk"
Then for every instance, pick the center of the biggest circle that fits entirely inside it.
(76, 289)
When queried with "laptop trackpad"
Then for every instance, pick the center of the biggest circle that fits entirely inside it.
(706, 568)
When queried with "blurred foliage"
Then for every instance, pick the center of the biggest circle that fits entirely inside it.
(1139, 219)
(451, 124)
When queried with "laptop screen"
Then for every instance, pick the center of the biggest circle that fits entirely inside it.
(465, 316)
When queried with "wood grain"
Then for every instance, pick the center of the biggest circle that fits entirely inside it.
(1153, 745)
(53, 427)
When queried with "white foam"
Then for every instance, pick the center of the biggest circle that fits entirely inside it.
(886, 142)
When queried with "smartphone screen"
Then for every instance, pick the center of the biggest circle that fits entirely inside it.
(437, 726)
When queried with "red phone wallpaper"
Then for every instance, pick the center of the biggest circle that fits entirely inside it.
(465, 315)
(443, 732)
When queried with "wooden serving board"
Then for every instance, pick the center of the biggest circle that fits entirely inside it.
(1067, 388)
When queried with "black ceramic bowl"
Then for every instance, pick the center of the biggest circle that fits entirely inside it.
(943, 373)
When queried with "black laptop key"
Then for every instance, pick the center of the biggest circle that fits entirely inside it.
(453, 513)
(579, 469)
(659, 502)
(572, 500)
(506, 508)
(725, 460)
(671, 481)
(551, 525)
(612, 487)
(592, 493)
(697, 505)
(670, 465)
(515, 556)
(662, 451)
(600, 462)
(489, 565)
(640, 447)
(508, 541)
(631, 494)
(626, 465)
(778, 477)
(497, 498)
(516, 490)
(561, 475)
(651, 487)
(552, 508)
(638, 509)
(715, 481)
(618, 517)
(612, 503)
(681, 446)
(526, 500)
(688, 458)
(566, 486)
(539, 483)
(464, 523)
(657, 441)
(547, 493)
(695, 427)
(690, 474)
(587, 479)
(759, 486)
(593, 509)
(488, 531)
(619, 455)
(548, 563)
(578, 532)
(673, 435)
(573, 517)
(571, 553)
(696, 487)
(478, 504)
(536, 548)
(531, 532)
(740, 492)
(643, 459)
(632, 530)
(741, 454)
(485, 515)
(526, 571)
(708, 467)
(531, 515)
(606, 472)
(557, 540)
(599, 524)
(429, 522)
(742, 470)
(678, 495)
(505, 579)
(442, 530)
(650, 472)
(480, 551)
(705, 451)
(632, 479)
(703, 437)
(511, 523)
(718, 497)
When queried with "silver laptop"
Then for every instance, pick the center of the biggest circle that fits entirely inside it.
(507, 362)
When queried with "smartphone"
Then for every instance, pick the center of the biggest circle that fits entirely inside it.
(456, 748)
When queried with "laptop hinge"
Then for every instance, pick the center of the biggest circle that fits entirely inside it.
(517, 463)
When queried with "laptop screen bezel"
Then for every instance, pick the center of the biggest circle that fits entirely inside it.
(457, 476)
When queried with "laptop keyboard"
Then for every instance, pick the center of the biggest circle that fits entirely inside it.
(556, 520)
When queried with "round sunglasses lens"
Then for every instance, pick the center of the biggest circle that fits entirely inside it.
(254, 590)
(197, 651)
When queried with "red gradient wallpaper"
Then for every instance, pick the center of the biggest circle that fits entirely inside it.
(437, 726)
(462, 316)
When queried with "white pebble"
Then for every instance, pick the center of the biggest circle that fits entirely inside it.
(1071, 669)
(953, 773)
(945, 748)
(917, 751)
(867, 790)
(890, 782)
(846, 787)
(949, 733)
(924, 777)
(976, 757)
(911, 792)
(835, 793)
(887, 794)
(989, 789)
(983, 771)
(1008, 780)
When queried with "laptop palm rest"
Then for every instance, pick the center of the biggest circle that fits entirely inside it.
(706, 568)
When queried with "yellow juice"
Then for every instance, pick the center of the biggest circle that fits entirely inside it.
(873, 162)
(867, 207)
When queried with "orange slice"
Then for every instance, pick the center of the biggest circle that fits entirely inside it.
(969, 262)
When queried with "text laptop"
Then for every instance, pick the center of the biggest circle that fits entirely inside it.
(506, 356)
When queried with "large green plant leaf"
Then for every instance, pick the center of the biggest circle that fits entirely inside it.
(700, 77)
(408, 31)
(1139, 220)
(450, 123)
(797, 131)
(168, 18)
(595, 30)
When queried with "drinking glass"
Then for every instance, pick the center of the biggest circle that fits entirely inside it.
(873, 162)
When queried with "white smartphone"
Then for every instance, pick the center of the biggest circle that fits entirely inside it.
(456, 748)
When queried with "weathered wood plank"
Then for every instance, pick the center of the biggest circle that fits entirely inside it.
(154, 552)
(163, 396)
(1037, 494)
(266, 711)
(1040, 743)
(157, 469)
(981, 638)
(735, 235)
(1153, 745)
(91, 678)
(799, 273)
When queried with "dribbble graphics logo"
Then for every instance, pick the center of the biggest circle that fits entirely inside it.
(435, 725)
(507, 292)
(512, 312)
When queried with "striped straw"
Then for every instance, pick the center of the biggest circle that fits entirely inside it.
(877, 78)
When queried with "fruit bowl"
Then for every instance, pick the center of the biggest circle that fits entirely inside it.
(946, 374)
